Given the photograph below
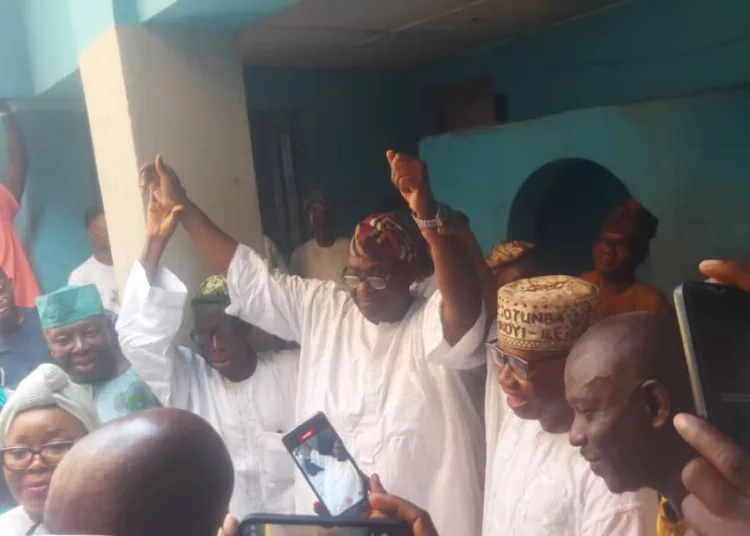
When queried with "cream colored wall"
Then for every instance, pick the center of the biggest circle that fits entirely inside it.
(179, 93)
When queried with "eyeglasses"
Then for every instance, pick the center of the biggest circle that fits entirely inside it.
(21, 458)
(204, 337)
(373, 281)
(519, 367)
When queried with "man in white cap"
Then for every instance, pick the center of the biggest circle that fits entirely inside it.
(538, 483)
(247, 397)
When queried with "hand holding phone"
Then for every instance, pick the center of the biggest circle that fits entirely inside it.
(320, 454)
(715, 327)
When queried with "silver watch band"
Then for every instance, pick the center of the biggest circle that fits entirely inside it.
(439, 220)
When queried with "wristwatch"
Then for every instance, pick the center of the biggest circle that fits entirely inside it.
(441, 217)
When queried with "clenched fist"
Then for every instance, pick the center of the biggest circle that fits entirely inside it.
(409, 175)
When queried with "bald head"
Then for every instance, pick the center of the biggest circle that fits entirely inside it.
(163, 471)
(632, 347)
(625, 379)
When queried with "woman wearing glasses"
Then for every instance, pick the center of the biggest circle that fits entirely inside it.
(39, 424)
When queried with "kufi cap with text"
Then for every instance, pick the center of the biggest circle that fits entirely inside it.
(546, 313)
(69, 305)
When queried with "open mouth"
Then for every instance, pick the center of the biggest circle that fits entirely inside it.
(83, 364)
(220, 363)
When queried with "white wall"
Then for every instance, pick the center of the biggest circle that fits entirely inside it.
(178, 93)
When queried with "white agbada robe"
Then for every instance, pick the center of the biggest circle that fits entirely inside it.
(393, 392)
(538, 484)
(16, 522)
(251, 416)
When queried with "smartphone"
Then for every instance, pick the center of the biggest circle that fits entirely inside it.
(281, 525)
(715, 327)
(328, 467)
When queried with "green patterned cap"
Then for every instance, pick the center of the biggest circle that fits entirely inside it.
(213, 296)
(69, 305)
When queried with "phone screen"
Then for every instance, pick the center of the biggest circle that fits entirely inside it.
(719, 323)
(272, 529)
(334, 477)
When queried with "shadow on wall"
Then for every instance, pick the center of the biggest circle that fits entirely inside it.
(560, 207)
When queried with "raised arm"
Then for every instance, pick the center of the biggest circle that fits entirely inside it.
(14, 178)
(151, 314)
(455, 275)
(214, 245)
(460, 228)
(274, 302)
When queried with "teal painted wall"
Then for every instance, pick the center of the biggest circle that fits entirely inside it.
(15, 77)
(224, 13)
(686, 160)
(61, 186)
(50, 42)
(346, 119)
(645, 49)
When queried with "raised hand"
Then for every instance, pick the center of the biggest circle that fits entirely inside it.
(165, 199)
(409, 176)
(161, 221)
(161, 179)
(718, 482)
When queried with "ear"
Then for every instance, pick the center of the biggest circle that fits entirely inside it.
(656, 399)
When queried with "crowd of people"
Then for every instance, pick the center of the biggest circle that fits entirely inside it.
(487, 395)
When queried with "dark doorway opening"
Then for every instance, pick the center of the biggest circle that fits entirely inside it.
(560, 207)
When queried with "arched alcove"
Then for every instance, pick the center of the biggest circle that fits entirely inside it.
(561, 206)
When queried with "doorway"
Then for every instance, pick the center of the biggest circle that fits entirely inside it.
(272, 136)
(560, 207)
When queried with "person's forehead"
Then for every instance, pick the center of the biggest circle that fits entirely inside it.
(364, 265)
(40, 421)
(532, 355)
(89, 323)
(590, 373)
(216, 318)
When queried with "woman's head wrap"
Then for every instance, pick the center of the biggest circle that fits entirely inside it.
(49, 386)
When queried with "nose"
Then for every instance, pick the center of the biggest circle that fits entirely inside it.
(79, 344)
(506, 378)
(577, 434)
(37, 465)
(216, 345)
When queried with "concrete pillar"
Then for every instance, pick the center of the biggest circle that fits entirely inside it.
(179, 93)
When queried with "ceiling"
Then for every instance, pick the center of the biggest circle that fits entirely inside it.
(397, 32)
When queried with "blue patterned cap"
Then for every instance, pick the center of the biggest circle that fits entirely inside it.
(69, 305)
